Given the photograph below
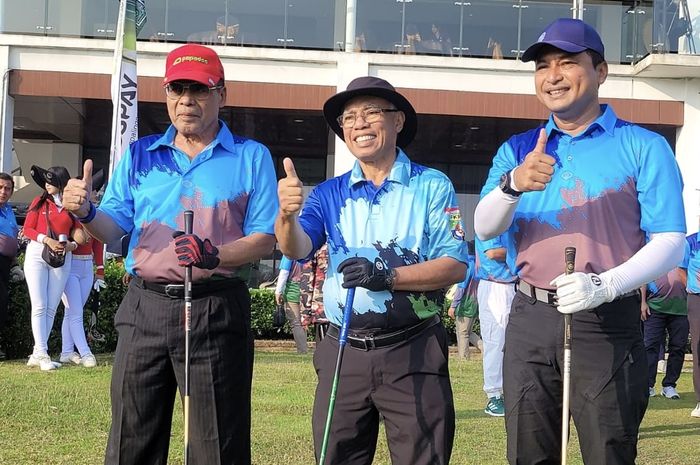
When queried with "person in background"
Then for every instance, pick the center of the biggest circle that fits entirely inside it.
(287, 293)
(81, 280)
(464, 307)
(693, 288)
(313, 275)
(9, 269)
(664, 309)
(45, 283)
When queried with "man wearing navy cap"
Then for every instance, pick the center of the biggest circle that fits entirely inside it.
(590, 180)
(394, 232)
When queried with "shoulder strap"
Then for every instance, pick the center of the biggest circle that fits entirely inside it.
(48, 223)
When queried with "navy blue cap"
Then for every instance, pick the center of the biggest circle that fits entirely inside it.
(569, 35)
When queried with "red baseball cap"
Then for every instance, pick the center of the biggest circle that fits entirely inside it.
(193, 62)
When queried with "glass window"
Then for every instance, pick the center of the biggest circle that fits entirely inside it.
(100, 18)
(625, 26)
(25, 17)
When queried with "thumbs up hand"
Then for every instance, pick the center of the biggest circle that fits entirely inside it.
(76, 195)
(537, 169)
(289, 191)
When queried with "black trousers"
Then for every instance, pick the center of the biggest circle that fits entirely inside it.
(609, 392)
(5, 265)
(149, 366)
(655, 328)
(408, 384)
(694, 320)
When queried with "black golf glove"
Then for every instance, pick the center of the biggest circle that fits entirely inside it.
(360, 272)
(191, 250)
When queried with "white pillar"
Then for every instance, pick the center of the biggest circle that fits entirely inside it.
(7, 111)
(350, 20)
(687, 154)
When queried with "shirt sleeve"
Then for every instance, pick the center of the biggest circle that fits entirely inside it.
(263, 202)
(686, 256)
(311, 220)
(118, 201)
(445, 224)
(660, 188)
(31, 222)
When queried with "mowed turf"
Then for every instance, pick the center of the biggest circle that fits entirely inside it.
(63, 417)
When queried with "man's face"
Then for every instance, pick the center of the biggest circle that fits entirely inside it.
(6, 189)
(370, 142)
(195, 115)
(567, 84)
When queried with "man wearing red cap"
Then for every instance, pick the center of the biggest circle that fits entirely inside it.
(229, 183)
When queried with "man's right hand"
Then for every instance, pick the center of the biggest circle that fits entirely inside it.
(537, 169)
(76, 195)
(289, 191)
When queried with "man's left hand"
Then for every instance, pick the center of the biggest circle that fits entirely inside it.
(360, 272)
(193, 251)
(581, 291)
(16, 274)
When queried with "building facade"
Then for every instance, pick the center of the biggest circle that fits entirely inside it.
(457, 61)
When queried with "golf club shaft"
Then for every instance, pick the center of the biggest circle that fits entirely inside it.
(189, 219)
(342, 338)
(569, 259)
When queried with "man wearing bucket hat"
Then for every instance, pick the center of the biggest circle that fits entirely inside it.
(159, 178)
(592, 181)
(393, 232)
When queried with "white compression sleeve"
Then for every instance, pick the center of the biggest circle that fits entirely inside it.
(281, 281)
(494, 214)
(660, 255)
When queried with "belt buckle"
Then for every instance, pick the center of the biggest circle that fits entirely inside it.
(174, 291)
(369, 342)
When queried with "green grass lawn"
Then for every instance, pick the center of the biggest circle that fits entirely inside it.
(63, 417)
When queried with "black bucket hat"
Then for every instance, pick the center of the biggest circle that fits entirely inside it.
(376, 87)
(57, 176)
(98, 180)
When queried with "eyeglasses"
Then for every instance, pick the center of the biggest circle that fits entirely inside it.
(369, 114)
(175, 90)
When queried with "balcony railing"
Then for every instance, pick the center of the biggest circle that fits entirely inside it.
(493, 29)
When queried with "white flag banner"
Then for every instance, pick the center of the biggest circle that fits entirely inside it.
(132, 16)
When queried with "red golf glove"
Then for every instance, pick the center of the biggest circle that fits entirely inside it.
(191, 250)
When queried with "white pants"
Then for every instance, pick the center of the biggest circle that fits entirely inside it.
(45, 286)
(494, 308)
(75, 296)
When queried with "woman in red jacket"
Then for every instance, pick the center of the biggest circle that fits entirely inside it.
(46, 283)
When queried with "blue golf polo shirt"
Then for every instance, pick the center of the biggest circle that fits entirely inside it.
(613, 183)
(693, 264)
(8, 231)
(493, 270)
(231, 186)
(411, 218)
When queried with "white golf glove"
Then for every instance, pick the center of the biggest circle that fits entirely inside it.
(581, 291)
(16, 274)
(99, 284)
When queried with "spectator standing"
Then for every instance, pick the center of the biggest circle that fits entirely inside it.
(9, 270)
(287, 293)
(693, 288)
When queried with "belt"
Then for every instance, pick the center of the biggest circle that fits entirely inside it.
(199, 289)
(549, 297)
(370, 339)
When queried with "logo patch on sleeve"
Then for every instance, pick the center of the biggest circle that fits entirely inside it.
(455, 223)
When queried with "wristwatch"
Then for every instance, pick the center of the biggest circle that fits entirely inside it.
(389, 279)
(505, 185)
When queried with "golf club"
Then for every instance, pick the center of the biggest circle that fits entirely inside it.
(189, 218)
(347, 311)
(569, 259)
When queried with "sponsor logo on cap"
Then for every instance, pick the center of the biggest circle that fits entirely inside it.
(185, 58)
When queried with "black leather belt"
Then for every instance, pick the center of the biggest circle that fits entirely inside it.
(199, 289)
(373, 339)
(549, 297)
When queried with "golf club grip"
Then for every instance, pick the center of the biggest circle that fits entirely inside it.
(189, 220)
(569, 259)
(347, 311)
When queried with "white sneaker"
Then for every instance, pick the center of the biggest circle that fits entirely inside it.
(670, 392)
(652, 392)
(89, 361)
(42, 361)
(661, 366)
(696, 411)
(71, 357)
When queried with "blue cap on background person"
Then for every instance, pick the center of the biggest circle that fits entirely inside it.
(569, 35)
